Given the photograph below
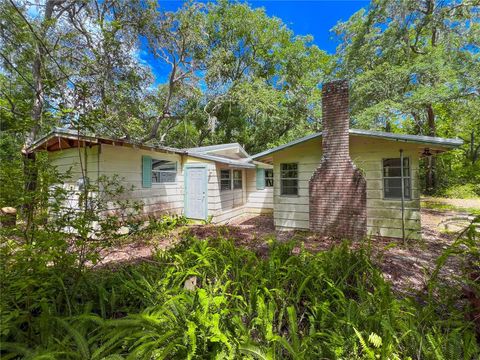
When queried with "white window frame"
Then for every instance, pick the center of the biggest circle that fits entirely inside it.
(224, 179)
(282, 178)
(268, 178)
(407, 179)
(164, 171)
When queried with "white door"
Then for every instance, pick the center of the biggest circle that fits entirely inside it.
(196, 193)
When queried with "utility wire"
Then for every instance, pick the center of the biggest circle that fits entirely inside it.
(42, 43)
(27, 81)
(18, 72)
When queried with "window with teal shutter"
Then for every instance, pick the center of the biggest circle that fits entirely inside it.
(268, 177)
(260, 178)
(146, 171)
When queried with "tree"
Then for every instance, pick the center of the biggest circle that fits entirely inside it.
(409, 59)
(235, 74)
(70, 62)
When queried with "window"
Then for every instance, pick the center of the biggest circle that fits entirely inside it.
(268, 178)
(237, 179)
(392, 180)
(288, 179)
(163, 171)
(225, 180)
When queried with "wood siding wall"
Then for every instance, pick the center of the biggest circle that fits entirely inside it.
(258, 200)
(74, 160)
(126, 162)
(109, 160)
(226, 204)
(383, 216)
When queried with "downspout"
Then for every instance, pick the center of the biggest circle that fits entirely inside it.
(403, 195)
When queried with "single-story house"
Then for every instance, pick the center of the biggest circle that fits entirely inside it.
(213, 183)
(341, 182)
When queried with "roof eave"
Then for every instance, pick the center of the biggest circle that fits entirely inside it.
(434, 141)
(44, 139)
(438, 142)
(285, 146)
(231, 163)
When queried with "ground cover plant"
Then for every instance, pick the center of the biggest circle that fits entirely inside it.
(287, 303)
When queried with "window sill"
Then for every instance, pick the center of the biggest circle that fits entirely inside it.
(397, 199)
(289, 196)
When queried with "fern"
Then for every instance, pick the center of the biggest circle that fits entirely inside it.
(435, 347)
(245, 305)
(191, 338)
(375, 340)
(80, 341)
(369, 352)
(253, 350)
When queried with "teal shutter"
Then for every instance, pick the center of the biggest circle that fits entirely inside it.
(260, 178)
(146, 171)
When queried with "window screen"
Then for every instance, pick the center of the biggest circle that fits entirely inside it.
(392, 181)
(268, 177)
(237, 179)
(225, 180)
(289, 179)
(163, 171)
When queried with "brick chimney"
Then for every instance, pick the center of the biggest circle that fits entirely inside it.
(338, 190)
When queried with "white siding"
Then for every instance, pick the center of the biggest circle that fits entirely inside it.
(258, 201)
(226, 204)
(77, 161)
(383, 216)
(126, 162)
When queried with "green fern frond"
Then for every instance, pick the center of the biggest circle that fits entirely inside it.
(375, 340)
(369, 352)
(80, 341)
(253, 350)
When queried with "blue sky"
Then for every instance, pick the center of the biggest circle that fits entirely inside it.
(304, 17)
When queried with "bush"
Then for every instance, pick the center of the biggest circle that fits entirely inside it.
(289, 304)
(466, 191)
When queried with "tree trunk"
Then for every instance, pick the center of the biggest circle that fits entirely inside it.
(29, 168)
(418, 123)
(38, 101)
(431, 180)
(38, 80)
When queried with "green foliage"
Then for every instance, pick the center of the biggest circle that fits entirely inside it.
(414, 68)
(333, 304)
(438, 204)
(466, 191)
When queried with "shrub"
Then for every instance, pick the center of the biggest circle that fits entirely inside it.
(466, 191)
(290, 304)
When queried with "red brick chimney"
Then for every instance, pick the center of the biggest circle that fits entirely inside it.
(338, 190)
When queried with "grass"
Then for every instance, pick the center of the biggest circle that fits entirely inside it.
(442, 206)
(286, 305)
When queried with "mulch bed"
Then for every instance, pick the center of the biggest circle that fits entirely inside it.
(407, 266)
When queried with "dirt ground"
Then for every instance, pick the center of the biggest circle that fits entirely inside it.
(406, 266)
(459, 203)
